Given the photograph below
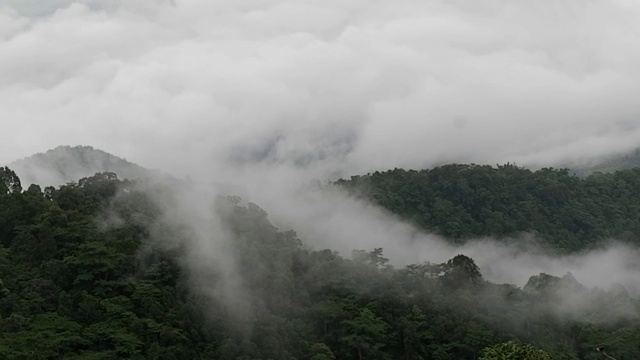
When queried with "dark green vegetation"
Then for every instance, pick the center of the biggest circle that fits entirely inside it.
(514, 351)
(83, 275)
(465, 201)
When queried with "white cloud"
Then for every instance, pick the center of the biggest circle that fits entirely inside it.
(413, 83)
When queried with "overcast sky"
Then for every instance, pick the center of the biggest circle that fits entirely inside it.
(331, 86)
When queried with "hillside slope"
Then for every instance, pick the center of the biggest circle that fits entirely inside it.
(66, 164)
(110, 269)
(462, 202)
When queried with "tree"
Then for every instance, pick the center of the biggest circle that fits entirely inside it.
(9, 181)
(366, 334)
(321, 351)
(414, 334)
(460, 271)
(514, 350)
(374, 257)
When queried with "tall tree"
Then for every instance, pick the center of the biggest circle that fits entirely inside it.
(514, 350)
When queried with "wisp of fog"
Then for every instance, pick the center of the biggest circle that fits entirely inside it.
(326, 217)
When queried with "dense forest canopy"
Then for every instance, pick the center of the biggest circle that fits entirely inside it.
(105, 268)
(462, 202)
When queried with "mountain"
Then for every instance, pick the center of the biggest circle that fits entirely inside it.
(66, 164)
(462, 202)
(611, 164)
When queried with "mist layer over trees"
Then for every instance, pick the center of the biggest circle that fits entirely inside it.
(66, 164)
(469, 201)
(107, 268)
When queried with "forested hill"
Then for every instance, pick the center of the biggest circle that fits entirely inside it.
(466, 201)
(66, 164)
(105, 268)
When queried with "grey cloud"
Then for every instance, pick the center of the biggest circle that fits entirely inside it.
(202, 79)
(34, 7)
(326, 218)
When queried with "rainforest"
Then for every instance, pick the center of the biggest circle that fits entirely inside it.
(105, 268)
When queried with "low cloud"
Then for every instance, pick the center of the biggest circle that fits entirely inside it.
(334, 87)
(326, 217)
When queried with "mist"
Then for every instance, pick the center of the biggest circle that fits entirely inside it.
(335, 87)
(271, 100)
(326, 217)
(209, 259)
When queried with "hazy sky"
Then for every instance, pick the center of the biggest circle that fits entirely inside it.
(332, 86)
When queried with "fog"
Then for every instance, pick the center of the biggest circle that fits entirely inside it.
(191, 224)
(325, 217)
(274, 99)
(336, 87)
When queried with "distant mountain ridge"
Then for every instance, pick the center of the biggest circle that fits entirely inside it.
(611, 164)
(66, 164)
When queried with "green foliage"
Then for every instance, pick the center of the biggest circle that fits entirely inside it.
(321, 351)
(365, 334)
(9, 181)
(513, 350)
(460, 271)
(469, 201)
(92, 270)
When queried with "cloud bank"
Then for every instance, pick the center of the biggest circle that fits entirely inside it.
(326, 218)
(329, 86)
